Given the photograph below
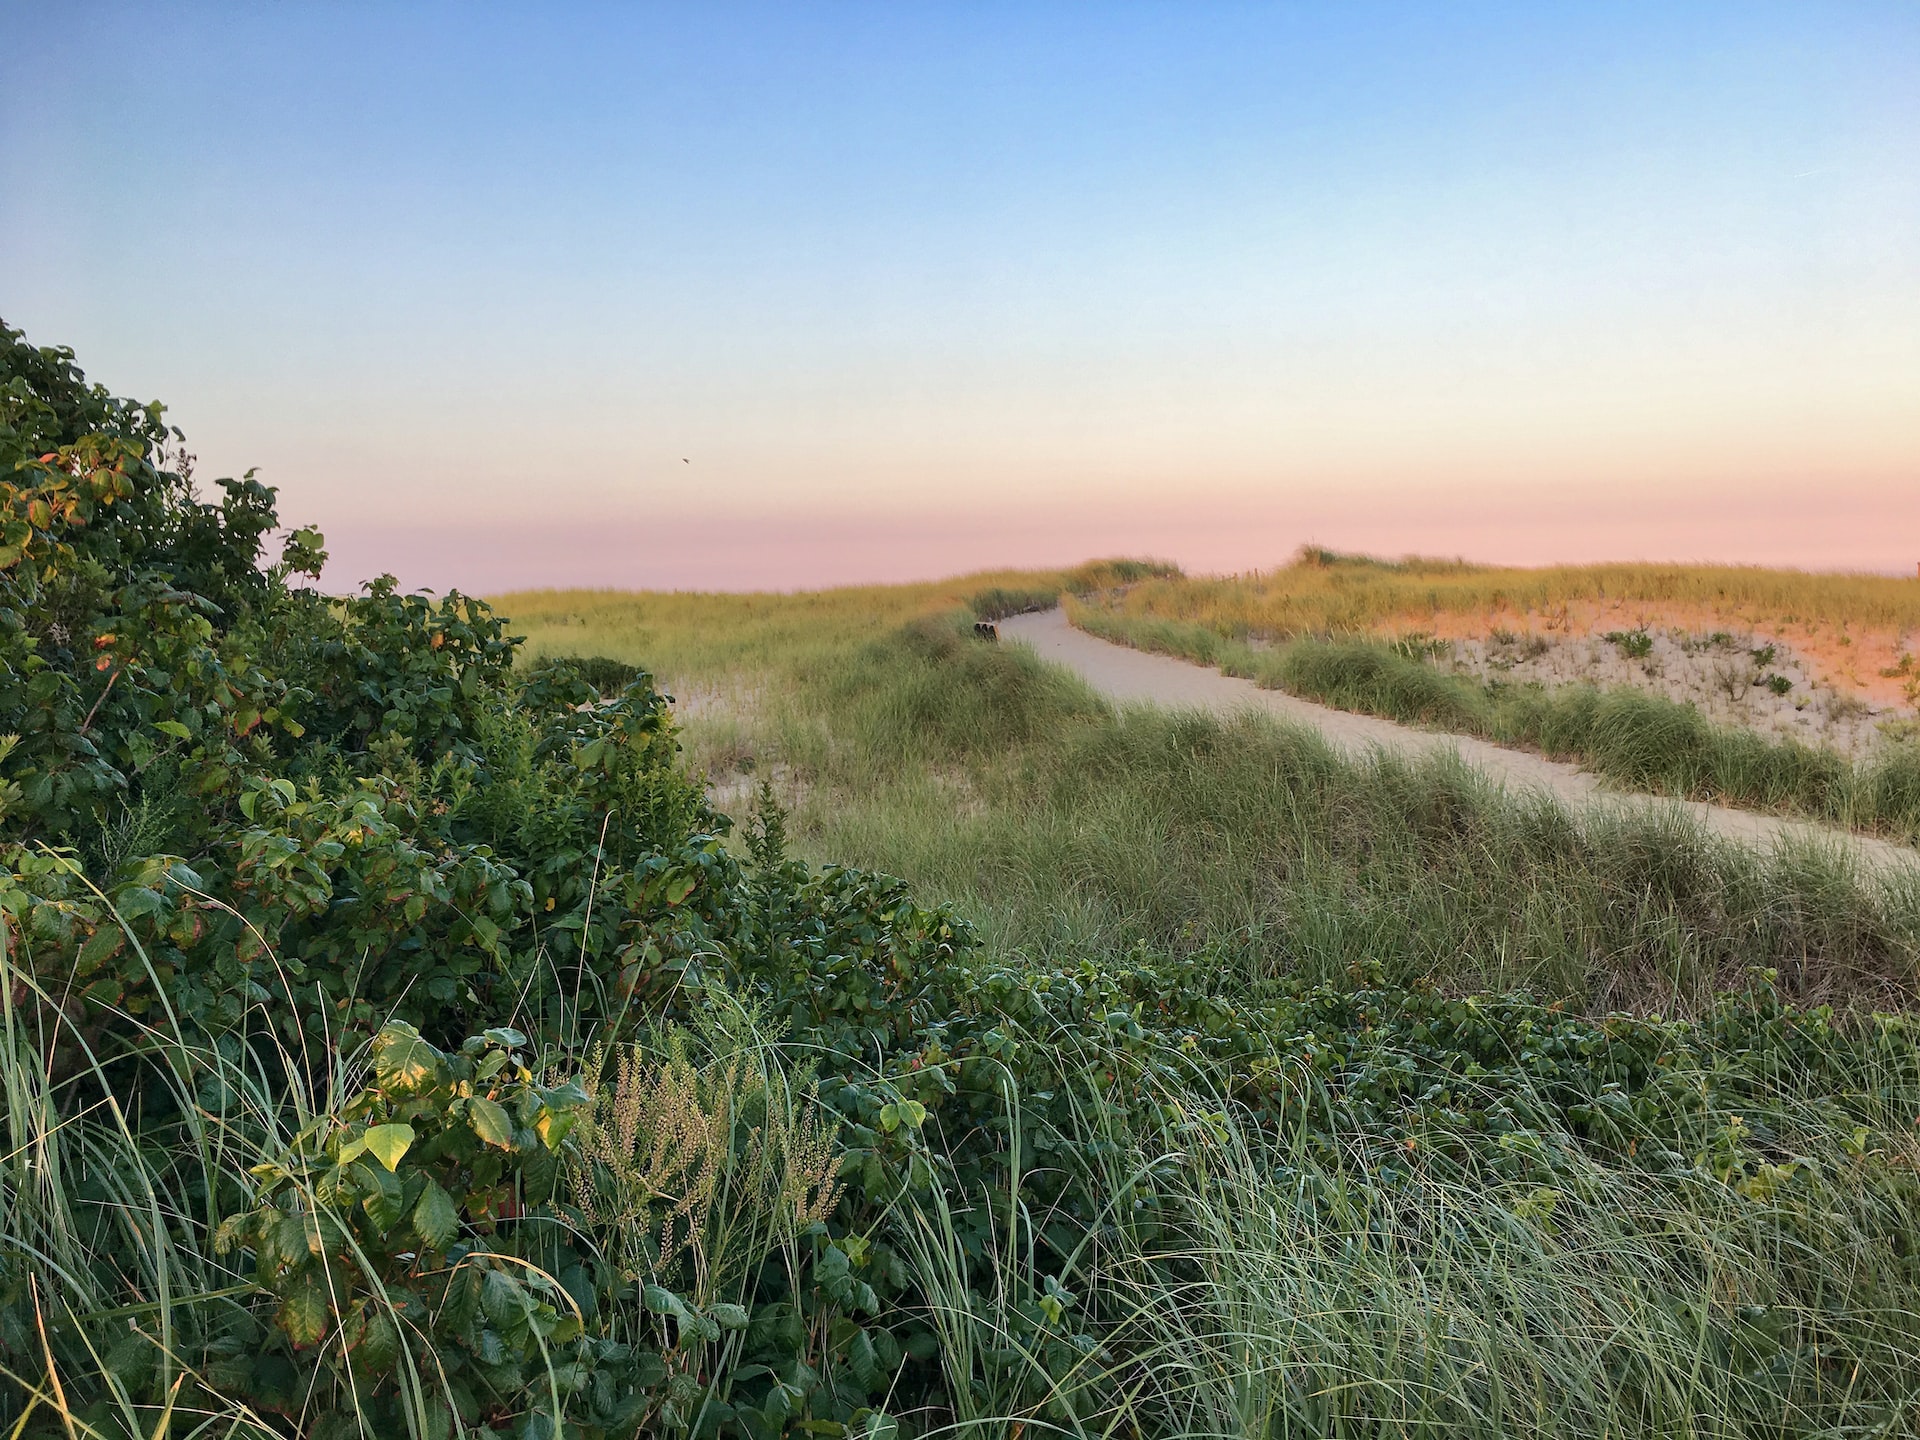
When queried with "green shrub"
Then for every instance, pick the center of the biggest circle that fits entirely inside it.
(603, 676)
(390, 1244)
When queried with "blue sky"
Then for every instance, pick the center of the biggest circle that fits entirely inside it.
(741, 295)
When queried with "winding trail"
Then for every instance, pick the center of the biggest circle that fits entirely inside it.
(1128, 676)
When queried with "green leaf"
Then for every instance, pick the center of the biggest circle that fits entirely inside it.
(503, 1300)
(101, 947)
(553, 1129)
(137, 902)
(649, 1369)
(389, 1143)
(284, 1240)
(490, 1122)
(435, 1220)
(402, 1060)
(860, 1360)
(230, 1233)
(662, 1301)
(385, 1200)
(185, 877)
(304, 1313)
(173, 728)
(731, 1317)
(379, 1347)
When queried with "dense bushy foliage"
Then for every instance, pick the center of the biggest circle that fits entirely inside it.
(248, 823)
(397, 1043)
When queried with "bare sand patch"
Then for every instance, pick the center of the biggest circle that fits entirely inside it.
(1742, 679)
(1875, 665)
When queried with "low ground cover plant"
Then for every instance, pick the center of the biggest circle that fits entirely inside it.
(397, 1041)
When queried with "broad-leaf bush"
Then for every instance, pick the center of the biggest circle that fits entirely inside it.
(397, 1042)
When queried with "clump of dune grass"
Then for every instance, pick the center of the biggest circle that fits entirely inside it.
(106, 1222)
(1315, 1301)
(714, 638)
(998, 602)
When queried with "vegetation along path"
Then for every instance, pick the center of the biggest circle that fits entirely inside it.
(1129, 676)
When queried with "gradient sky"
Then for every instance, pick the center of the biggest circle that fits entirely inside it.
(745, 296)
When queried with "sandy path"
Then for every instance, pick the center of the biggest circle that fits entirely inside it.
(1133, 676)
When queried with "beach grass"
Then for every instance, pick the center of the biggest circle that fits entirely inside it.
(1327, 593)
(1070, 829)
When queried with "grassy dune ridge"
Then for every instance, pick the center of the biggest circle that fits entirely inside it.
(1326, 593)
(703, 638)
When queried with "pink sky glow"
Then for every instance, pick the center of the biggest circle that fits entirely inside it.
(1816, 528)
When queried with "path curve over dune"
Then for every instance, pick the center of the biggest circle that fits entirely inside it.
(1128, 676)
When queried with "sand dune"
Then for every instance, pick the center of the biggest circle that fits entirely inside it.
(1135, 677)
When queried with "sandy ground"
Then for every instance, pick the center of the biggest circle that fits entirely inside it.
(1872, 665)
(1132, 676)
(1723, 674)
